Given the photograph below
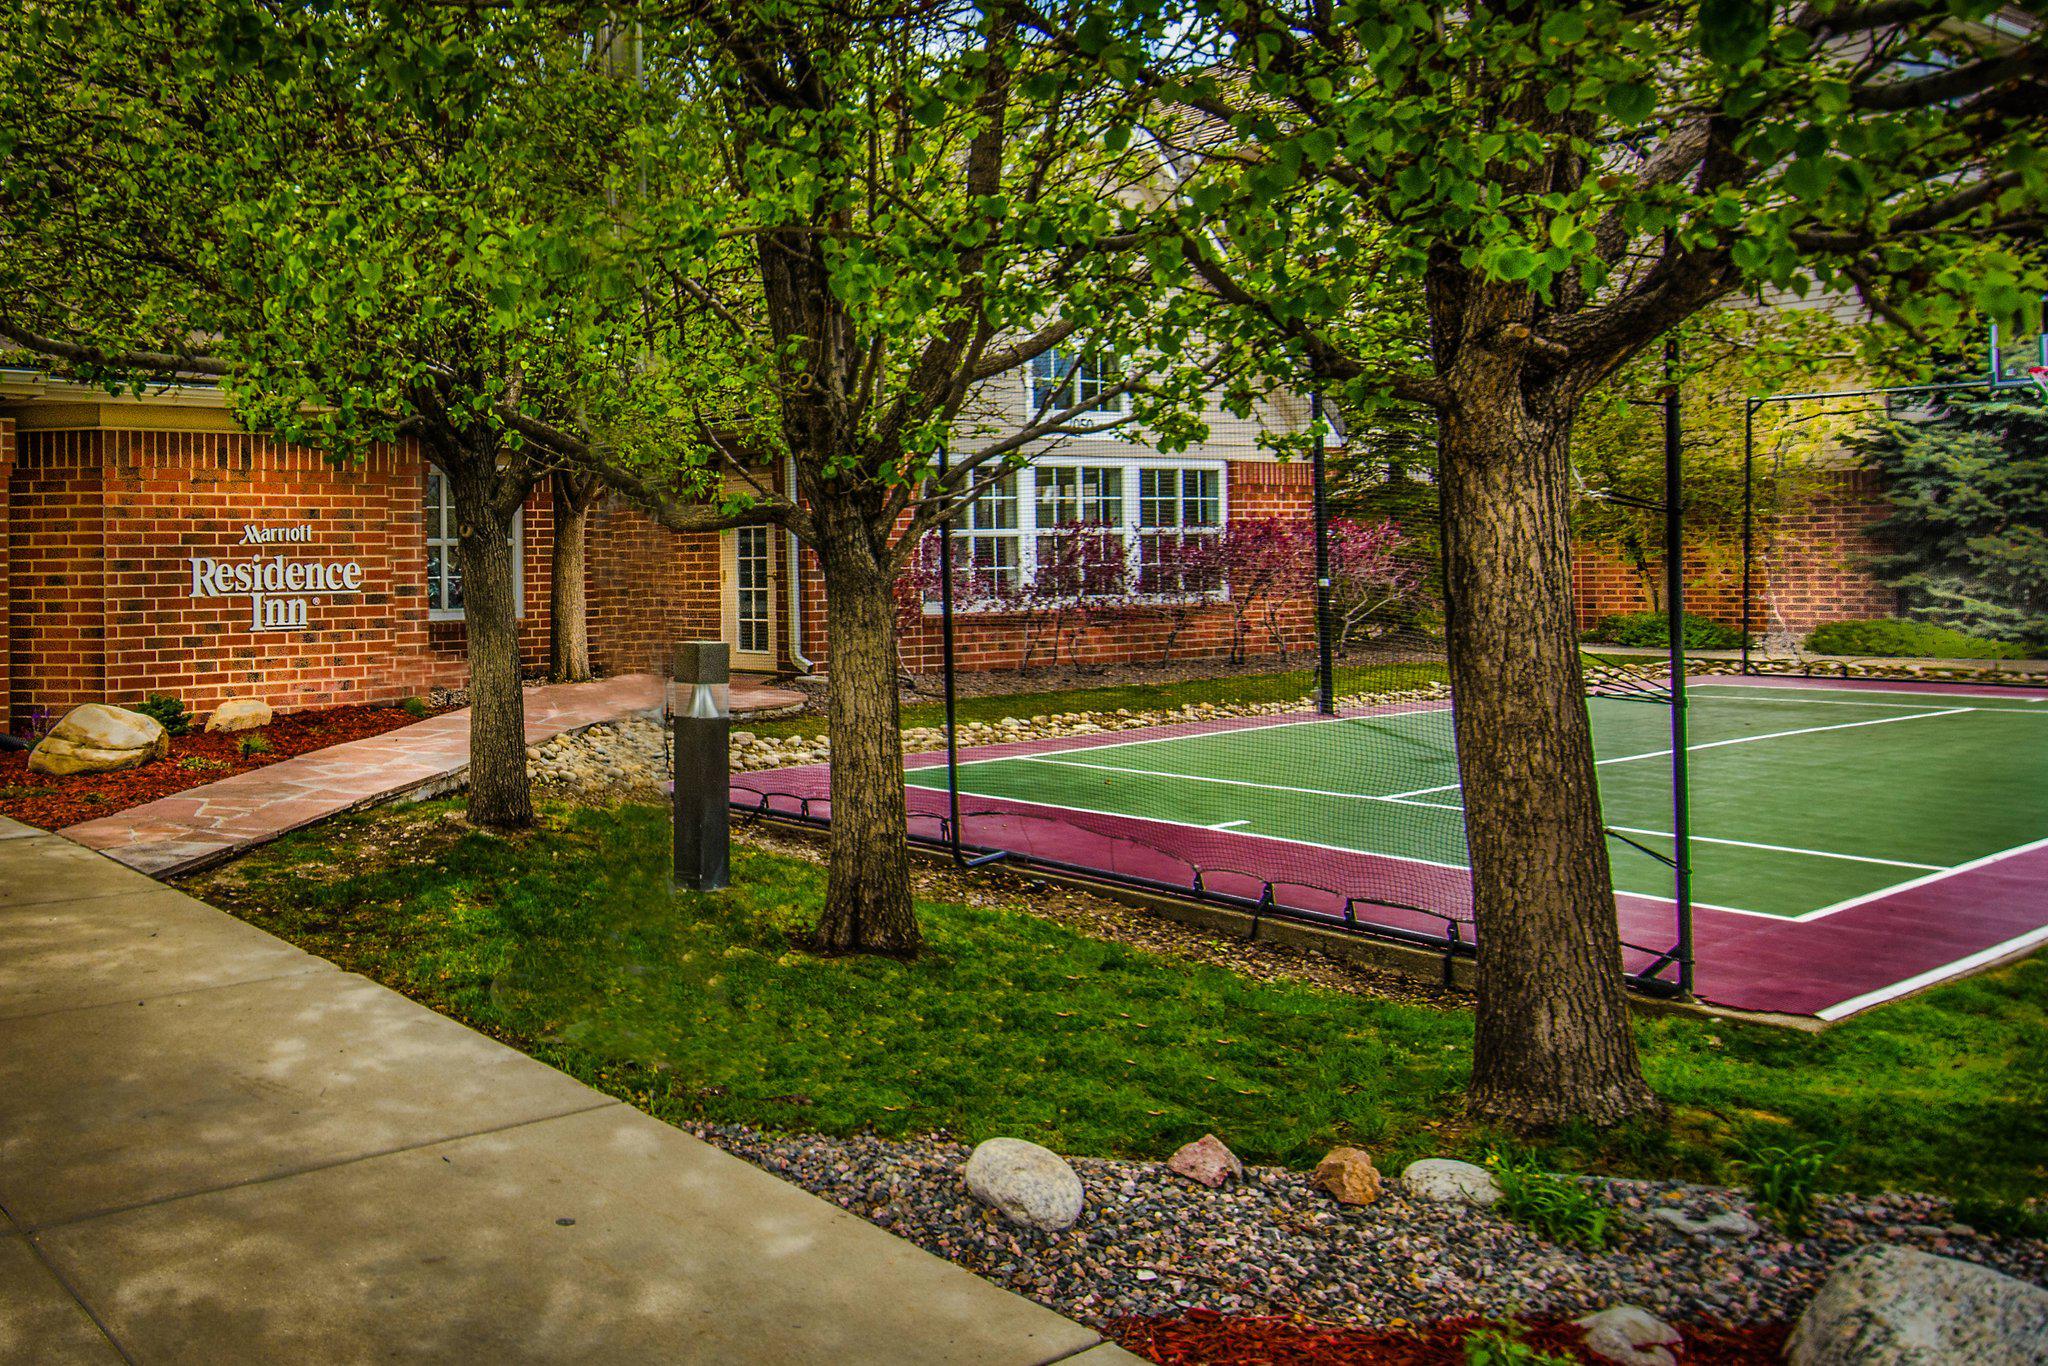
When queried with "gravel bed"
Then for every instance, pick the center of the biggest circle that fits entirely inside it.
(1152, 1243)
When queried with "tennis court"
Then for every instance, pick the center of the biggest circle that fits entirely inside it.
(1850, 842)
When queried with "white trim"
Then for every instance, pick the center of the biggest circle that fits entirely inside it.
(2019, 943)
(1911, 883)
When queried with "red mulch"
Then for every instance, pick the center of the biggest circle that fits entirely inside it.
(53, 803)
(1206, 1338)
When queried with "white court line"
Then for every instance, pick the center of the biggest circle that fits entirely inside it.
(2017, 944)
(1786, 849)
(1785, 695)
(1224, 782)
(1716, 744)
(1423, 709)
(1228, 825)
(1911, 883)
(1925, 694)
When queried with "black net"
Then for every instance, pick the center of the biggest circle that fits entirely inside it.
(1895, 534)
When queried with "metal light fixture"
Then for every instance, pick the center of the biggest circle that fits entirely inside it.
(700, 718)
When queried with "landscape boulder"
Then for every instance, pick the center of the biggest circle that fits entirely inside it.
(1894, 1306)
(1446, 1181)
(1028, 1184)
(98, 738)
(1631, 1335)
(239, 713)
(1727, 1224)
(1348, 1174)
(1206, 1160)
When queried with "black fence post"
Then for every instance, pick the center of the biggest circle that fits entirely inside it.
(1326, 666)
(1674, 603)
(946, 671)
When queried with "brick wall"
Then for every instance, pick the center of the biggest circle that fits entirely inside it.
(648, 588)
(1807, 571)
(6, 474)
(106, 524)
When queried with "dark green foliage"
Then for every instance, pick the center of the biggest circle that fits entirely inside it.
(1555, 1208)
(170, 712)
(1890, 638)
(253, 744)
(1505, 1346)
(2008, 1218)
(1784, 1180)
(1967, 537)
(416, 706)
(1650, 630)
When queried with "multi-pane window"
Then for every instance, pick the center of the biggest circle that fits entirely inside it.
(751, 591)
(987, 549)
(444, 565)
(1066, 377)
(1180, 518)
(1055, 530)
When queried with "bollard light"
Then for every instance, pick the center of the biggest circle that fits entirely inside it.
(700, 719)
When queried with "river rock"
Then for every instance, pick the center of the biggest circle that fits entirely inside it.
(1348, 1174)
(1206, 1160)
(1894, 1306)
(239, 713)
(1631, 1335)
(1028, 1184)
(1446, 1181)
(98, 738)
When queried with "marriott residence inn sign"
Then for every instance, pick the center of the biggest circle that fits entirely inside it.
(279, 590)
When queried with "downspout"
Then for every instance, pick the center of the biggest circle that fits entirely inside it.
(795, 581)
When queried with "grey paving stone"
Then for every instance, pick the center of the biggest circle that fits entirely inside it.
(35, 869)
(602, 1236)
(39, 1321)
(65, 955)
(164, 1096)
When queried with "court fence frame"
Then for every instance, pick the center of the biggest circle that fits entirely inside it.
(1669, 970)
(1757, 664)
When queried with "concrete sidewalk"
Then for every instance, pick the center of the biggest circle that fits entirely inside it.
(204, 825)
(215, 1147)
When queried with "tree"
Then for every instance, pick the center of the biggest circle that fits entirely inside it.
(1968, 531)
(1268, 562)
(1376, 578)
(891, 214)
(572, 493)
(1564, 183)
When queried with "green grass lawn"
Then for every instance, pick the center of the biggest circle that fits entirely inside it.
(1287, 686)
(568, 943)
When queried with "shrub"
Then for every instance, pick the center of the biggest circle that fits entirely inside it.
(1892, 639)
(416, 706)
(1652, 630)
(200, 763)
(253, 744)
(170, 713)
(1505, 1347)
(2008, 1218)
(1552, 1207)
(1783, 1181)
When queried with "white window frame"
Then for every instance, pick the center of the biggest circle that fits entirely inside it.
(1078, 378)
(764, 592)
(440, 531)
(1027, 530)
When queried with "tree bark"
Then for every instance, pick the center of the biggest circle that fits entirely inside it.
(867, 884)
(499, 794)
(1554, 1041)
(568, 611)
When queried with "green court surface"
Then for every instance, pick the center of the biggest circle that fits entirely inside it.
(1803, 799)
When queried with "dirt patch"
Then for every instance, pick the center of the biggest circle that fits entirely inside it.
(195, 760)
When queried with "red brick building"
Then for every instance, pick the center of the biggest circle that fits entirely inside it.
(152, 546)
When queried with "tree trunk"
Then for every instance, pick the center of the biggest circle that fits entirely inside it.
(867, 885)
(568, 617)
(498, 791)
(1554, 1040)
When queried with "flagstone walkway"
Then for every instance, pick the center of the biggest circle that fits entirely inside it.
(216, 1148)
(204, 825)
